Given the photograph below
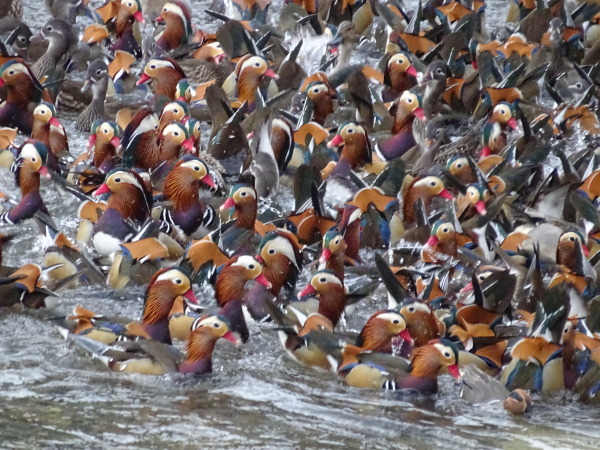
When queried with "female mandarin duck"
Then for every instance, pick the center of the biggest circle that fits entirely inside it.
(61, 40)
(249, 74)
(27, 168)
(130, 199)
(103, 144)
(167, 74)
(399, 76)
(178, 26)
(97, 78)
(48, 129)
(156, 358)
(356, 150)
(181, 187)
(494, 136)
(330, 292)
(23, 90)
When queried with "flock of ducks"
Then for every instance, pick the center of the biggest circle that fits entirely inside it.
(457, 166)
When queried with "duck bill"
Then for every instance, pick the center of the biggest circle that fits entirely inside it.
(419, 113)
(271, 74)
(38, 37)
(480, 207)
(260, 259)
(188, 145)
(115, 141)
(91, 141)
(446, 194)
(87, 84)
(263, 280)
(144, 78)
(2, 83)
(453, 369)
(336, 141)
(325, 256)
(404, 334)
(55, 122)
(433, 240)
(412, 71)
(229, 203)
(229, 336)
(585, 250)
(103, 189)
(512, 123)
(43, 171)
(191, 297)
(138, 16)
(486, 151)
(308, 290)
(468, 287)
(208, 180)
(159, 20)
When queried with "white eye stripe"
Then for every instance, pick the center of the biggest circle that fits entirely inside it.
(329, 278)
(172, 275)
(247, 261)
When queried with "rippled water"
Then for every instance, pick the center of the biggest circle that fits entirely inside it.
(53, 395)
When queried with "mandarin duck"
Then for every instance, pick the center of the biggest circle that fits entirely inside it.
(27, 168)
(321, 95)
(61, 40)
(242, 206)
(494, 135)
(399, 76)
(333, 253)
(178, 26)
(103, 145)
(48, 129)
(187, 213)
(157, 358)
(166, 72)
(129, 200)
(426, 188)
(330, 292)
(356, 150)
(23, 90)
(252, 73)
(97, 79)
(124, 15)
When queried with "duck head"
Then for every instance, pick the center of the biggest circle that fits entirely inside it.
(59, 35)
(184, 180)
(505, 114)
(478, 196)
(441, 231)
(97, 71)
(20, 38)
(175, 111)
(167, 74)
(178, 25)
(129, 11)
(422, 322)
(334, 245)
(331, 294)
(459, 167)
(243, 200)
(349, 133)
(380, 331)
(429, 359)
(400, 63)
(566, 250)
(233, 278)
(45, 113)
(103, 133)
(129, 194)
(281, 259)
(411, 102)
(250, 71)
(30, 164)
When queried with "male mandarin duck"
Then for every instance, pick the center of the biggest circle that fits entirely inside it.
(494, 135)
(129, 200)
(157, 358)
(444, 240)
(27, 168)
(409, 110)
(330, 292)
(473, 202)
(175, 111)
(385, 332)
(281, 258)
(242, 205)
(399, 76)
(459, 168)
(321, 95)
(426, 188)
(23, 90)
(167, 74)
(181, 187)
(48, 129)
(356, 150)
(422, 322)
(97, 78)
(250, 71)
(178, 26)
(333, 253)
(124, 14)
(103, 145)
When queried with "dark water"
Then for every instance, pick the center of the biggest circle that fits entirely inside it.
(53, 396)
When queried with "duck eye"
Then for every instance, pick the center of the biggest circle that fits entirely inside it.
(271, 251)
(411, 309)
(11, 72)
(502, 111)
(447, 354)
(350, 130)
(243, 194)
(322, 280)
(481, 277)
(153, 66)
(578, 85)
(440, 71)
(459, 166)
(251, 266)
(445, 230)
(572, 239)
(197, 168)
(175, 133)
(336, 242)
(432, 184)
(98, 72)
(400, 61)
(256, 64)
(117, 180)
(22, 39)
(48, 28)
(409, 100)
(105, 131)
(33, 159)
(395, 321)
(216, 325)
(178, 281)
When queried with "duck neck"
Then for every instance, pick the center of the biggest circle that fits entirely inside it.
(248, 83)
(200, 348)
(277, 271)
(332, 303)
(230, 285)
(21, 93)
(245, 215)
(375, 337)
(130, 203)
(182, 192)
(166, 82)
(99, 93)
(29, 180)
(425, 364)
